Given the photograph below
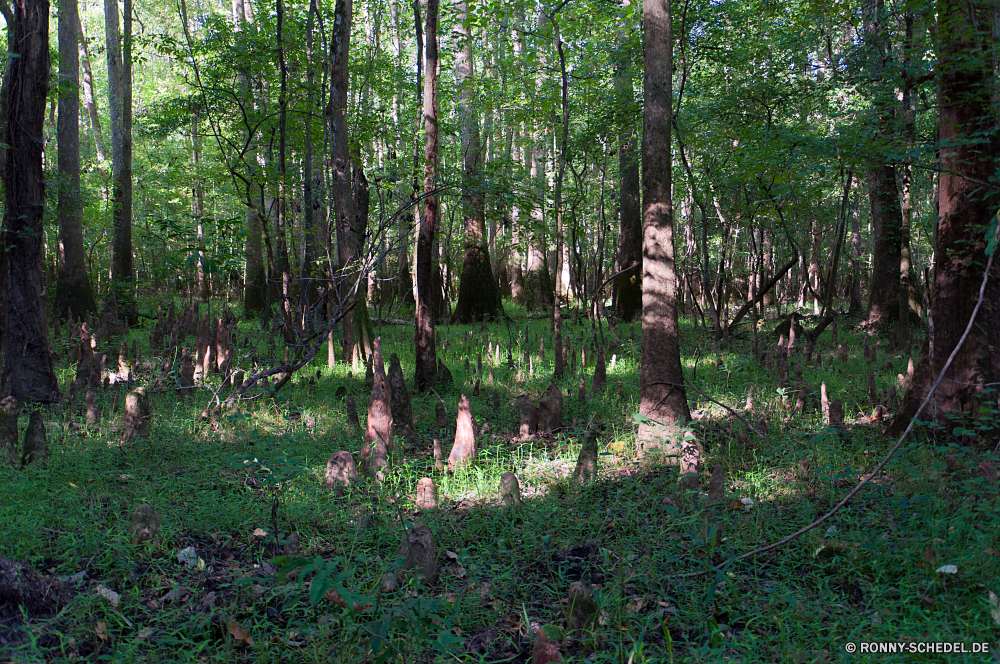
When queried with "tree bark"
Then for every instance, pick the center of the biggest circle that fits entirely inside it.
(28, 369)
(119, 46)
(969, 154)
(426, 356)
(628, 284)
(883, 301)
(89, 96)
(663, 400)
(477, 292)
(887, 216)
(343, 193)
(254, 278)
(73, 290)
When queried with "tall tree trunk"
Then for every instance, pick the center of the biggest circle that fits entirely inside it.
(119, 46)
(254, 279)
(662, 399)
(28, 369)
(426, 356)
(308, 273)
(628, 285)
(343, 194)
(887, 217)
(883, 301)
(89, 96)
(560, 285)
(284, 264)
(72, 287)
(477, 293)
(969, 154)
(198, 207)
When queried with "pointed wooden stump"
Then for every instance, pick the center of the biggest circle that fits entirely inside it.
(463, 451)
(36, 447)
(586, 463)
(145, 524)
(93, 414)
(402, 413)
(378, 434)
(528, 413)
(510, 490)
(600, 373)
(426, 494)
(581, 608)
(138, 415)
(341, 471)
(550, 410)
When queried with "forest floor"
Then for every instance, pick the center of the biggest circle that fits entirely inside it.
(914, 558)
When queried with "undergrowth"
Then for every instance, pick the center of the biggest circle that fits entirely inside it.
(912, 559)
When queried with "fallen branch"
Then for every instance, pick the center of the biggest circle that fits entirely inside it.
(764, 290)
(888, 456)
(287, 369)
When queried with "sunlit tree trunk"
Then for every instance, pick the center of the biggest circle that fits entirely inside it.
(426, 356)
(73, 291)
(28, 369)
(663, 400)
(89, 96)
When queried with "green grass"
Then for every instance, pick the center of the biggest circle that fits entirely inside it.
(867, 575)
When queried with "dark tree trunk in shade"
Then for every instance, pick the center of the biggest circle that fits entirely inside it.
(887, 216)
(28, 371)
(477, 292)
(119, 47)
(73, 290)
(662, 396)
(883, 194)
(628, 285)
(426, 356)
(340, 156)
(968, 131)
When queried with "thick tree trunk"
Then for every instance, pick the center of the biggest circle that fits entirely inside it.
(968, 157)
(477, 293)
(119, 46)
(343, 193)
(426, 356)
(883, 300)
(72, 288)
(887, 216)
(663, 400)
(28, 371)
